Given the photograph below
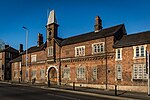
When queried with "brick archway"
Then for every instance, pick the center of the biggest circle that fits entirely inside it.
(52, 75)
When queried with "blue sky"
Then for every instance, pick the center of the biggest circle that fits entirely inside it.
(74, 17)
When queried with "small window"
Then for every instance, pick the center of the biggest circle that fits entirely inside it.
(119, 54)
(66, 73)
(42, 73)
(33, 58)
(119, 72)
(142, 51)
(80, 73)
(50, 51)
(139, 51)
(80, 51)
(94, 72)
(98, 48)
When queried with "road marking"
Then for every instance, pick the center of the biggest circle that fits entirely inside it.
(63, 96)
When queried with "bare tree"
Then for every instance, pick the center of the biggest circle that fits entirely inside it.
(2, 44)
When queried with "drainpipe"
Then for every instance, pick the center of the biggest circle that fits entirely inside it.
(106, 84)
(60, 65)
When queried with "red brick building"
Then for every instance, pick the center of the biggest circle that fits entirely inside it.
(6, 55)
(101, 58)
(131, 61)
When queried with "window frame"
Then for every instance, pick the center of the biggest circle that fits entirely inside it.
(33, 58)
(138, 70)
(117, 57)
(42, 73)
(79, 51)
(142, 51)
(66, 73)
(50, 51)
(80, 73)
(139, 51)
(97, 48)
(118, 73)
(94, 75)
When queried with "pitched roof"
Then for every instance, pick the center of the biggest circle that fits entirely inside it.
(10, 49)
(133, 40)
(58, 40)
(35, 49)
(18, 59)
(91, 35)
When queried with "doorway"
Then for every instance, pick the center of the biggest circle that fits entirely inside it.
(52, 75)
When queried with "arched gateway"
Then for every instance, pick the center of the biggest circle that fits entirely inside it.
(52, 73)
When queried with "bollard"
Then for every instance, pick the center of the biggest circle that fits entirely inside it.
(48, 83)
(115, 90)
(73, 85)
(19, 80)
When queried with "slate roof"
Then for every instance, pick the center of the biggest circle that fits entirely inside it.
(18, 59)
(58, 40)
(133, 40)
(10, 49)
(35, 49)
(91, 35)
(80, 38)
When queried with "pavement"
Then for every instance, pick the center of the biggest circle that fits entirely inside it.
(121, 95)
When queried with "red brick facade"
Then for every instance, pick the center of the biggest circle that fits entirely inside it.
(58, 62)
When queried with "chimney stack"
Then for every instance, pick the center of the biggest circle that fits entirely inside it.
(21, 48)
(6, 46)
(40, 39)
(98, 24)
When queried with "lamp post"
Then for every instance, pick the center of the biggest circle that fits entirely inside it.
(26, 29)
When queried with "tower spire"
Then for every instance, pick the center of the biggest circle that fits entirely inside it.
(52, 26)
(52, 18)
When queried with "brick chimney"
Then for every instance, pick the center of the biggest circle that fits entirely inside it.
(6, 46)
(98, 24)
(40, 39)
(21, 48)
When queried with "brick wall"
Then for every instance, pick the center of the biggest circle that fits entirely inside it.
(16, 68)
(89, 61)
(127, 67)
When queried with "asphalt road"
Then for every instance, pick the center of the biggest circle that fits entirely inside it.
(16, 92)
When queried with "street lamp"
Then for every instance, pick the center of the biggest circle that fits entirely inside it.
(26, 29)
